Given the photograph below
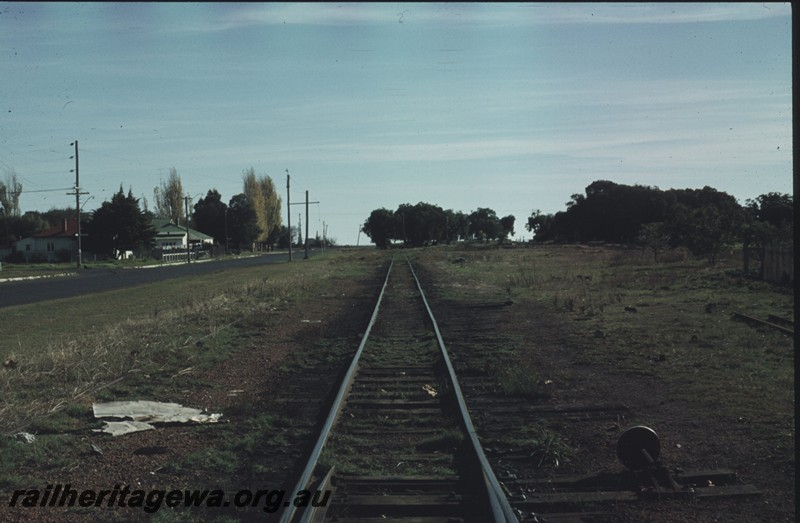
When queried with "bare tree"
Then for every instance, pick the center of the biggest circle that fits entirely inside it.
(168, 198)
(10, 189)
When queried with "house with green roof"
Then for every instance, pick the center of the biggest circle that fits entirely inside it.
(170, 236)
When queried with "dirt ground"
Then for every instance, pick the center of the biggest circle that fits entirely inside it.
(691, 438)
(692, 435)
(253, 377)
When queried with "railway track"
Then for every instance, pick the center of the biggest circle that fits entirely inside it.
(398, 442)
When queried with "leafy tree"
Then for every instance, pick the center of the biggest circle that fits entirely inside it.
(655, 236)
(210, 216)
(13, 228)
(272, 210)
(380, 227)
(118, 226)
(706, 221)
(265, 202)
(421, 224)
(457, 225)
(484, 224)
(56, 216)
(507, 225)
(769, 219)
(773, 208)
(168, 198)
(243, 227)
(541, 225)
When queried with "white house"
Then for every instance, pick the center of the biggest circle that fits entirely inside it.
(170, 236)
(55, 244)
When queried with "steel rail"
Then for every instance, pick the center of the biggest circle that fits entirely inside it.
(501, 509)
(336, 408)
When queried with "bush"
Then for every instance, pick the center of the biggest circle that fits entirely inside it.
(63, 255)
(38, 257)
(679, 254)
(16, 257)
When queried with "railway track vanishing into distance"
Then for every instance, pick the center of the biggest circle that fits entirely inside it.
(398, 442)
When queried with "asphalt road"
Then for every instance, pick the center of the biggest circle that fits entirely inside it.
(100, 280)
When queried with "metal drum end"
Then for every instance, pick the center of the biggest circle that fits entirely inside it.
(638, 447)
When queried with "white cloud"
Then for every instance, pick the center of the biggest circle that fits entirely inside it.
(489, 13)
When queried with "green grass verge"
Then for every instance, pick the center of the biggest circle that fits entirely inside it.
(150, 342)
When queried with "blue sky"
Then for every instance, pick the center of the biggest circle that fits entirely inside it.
(509, 106)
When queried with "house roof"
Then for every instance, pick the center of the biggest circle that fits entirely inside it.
(68, 229)
(165, 228)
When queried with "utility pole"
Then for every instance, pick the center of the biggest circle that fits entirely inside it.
(306, 256)
(289, 214)
(78, 201)
(301, 226)
(188, 244)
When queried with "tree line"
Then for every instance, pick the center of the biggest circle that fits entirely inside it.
(428, 224)
(706, 221)
(251, 220)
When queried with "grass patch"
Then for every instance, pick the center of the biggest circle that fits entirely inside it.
(547, 448)
(522, 382)
(47, 453)
(628, 315)
(140, 342)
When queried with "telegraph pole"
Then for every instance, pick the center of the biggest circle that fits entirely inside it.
(301, 226)
(306, 256)
(289, 214)
(78, 201)
(188, 245)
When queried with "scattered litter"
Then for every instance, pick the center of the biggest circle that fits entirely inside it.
(235, 392)
(143, 413)
(310, 321)
(24, 437)
(430, 390)
(119, 428)
(10, 363)
(95, 449)
(548, 382)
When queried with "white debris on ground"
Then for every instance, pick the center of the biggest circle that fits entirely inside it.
(24, 437)
(140, 415)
